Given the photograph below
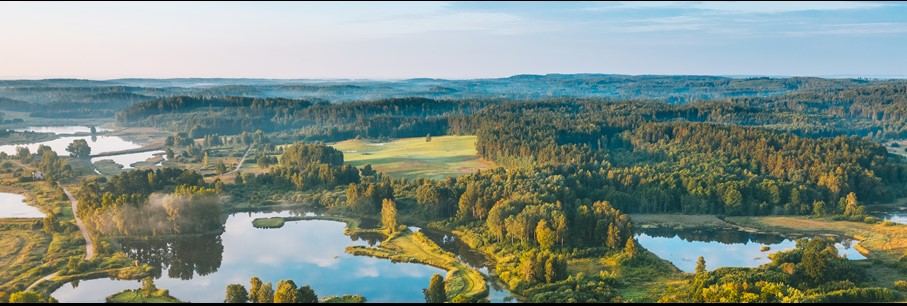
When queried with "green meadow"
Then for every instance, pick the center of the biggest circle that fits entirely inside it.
(442, 157)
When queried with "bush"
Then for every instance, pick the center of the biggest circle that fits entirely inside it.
(900, 285)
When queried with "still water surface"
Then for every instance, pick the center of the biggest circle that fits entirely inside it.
(721, 247)
(12, 205)
(308, 252)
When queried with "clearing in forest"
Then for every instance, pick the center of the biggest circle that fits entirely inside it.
(442, 157)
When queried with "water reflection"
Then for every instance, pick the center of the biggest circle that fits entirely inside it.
(893, 214)
(98, 144)
(62, 130)
(13, 205)
(721, 247)
(198, 269)
(472, 258)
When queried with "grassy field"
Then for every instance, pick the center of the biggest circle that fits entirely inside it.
(21, 253)
(135, 296)
(23, 138)
(444, 156)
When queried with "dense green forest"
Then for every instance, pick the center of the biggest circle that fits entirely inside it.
(576, 155)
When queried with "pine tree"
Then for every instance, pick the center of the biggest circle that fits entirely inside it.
(254, 288)
(389, 215)
(305, 294)
(700, 265)
(631, 249)
(265, 294)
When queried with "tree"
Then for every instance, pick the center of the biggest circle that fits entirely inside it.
(93, 130)
(852, 206)
(26, 297)
(263, 161)
(544, 235)
(236, 293)
(169, 153)
(819, 209)
(79, 149)
(700, 265)
(389, 215)
(305, 294)
(286, 292)
(148, 287)
(428, 138)
(631, 249)
(220, 167)
(205, 159)
(23, 154)
(435, 292)
(265, 294)
(254, 288)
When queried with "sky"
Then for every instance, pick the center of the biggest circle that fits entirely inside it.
(453, 40)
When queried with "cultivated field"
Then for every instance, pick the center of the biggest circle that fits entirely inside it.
(444, 156)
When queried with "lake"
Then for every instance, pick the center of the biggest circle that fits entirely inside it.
(12, 205)
(98, 144)
(62, 130)
(308, 252)
(721, 247)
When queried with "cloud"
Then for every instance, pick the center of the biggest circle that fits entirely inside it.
(853, 29)
(743, 7)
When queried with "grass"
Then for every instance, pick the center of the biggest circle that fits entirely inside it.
(677, 221)
(24, 138)
(414, 247)
(273, 222)
(443, 157)
(21, 253)
(27, 253)
(136, 296)
(346, 299)
(108, 168)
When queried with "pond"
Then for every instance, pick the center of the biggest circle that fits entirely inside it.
(722, 247)
(63, 129)
(98, 144)
(13, 205)
(126, 160)
(308, 252)
(893, 214)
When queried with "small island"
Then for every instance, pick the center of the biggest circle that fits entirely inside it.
(149, 293)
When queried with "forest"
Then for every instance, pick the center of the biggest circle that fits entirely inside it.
(553, 214)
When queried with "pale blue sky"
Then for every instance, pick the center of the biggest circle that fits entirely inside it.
(450, 39)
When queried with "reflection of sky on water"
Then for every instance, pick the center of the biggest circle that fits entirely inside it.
(98, 144)
(62, 129)
(308, 252)
(13, 205)
(684, 253)
(896, 215)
